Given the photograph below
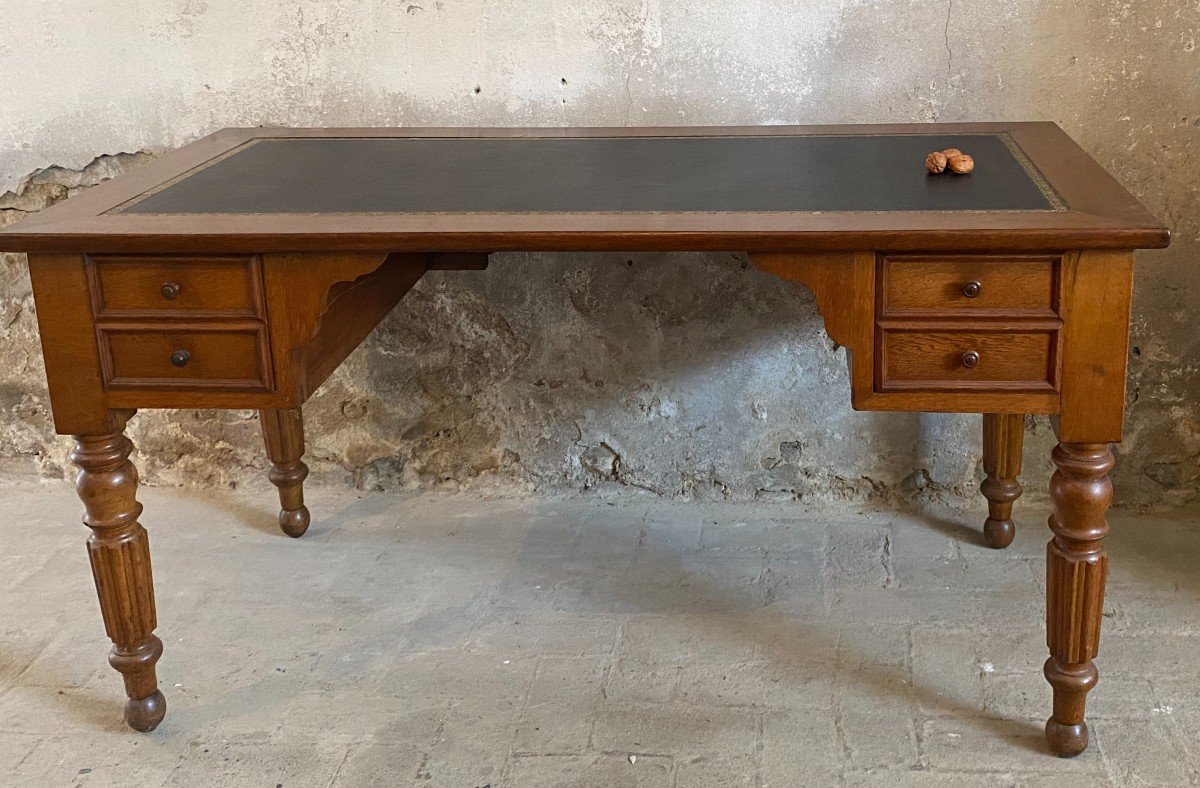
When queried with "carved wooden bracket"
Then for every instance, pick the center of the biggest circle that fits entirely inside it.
(844, 286)
(322, 305)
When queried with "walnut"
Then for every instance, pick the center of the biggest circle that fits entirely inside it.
(936, 163)
(951, 152)
(960, 164)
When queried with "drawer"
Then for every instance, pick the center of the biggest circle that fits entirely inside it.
(986, 285)
(995, 360)
(156, 357)
(133, 286)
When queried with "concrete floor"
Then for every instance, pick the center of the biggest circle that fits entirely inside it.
(447, 642)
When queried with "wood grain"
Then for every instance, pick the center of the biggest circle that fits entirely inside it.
(321, 306)
(922, 358)
(1101, 214)
(119, 552)
(139, 356)
(1003, 437)
(1076, 570)
(1009, 286)
(207, 286)
(283, 432)
(844, 287)
(1097, 294)
(69, 349)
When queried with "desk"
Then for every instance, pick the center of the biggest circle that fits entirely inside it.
(239, 271)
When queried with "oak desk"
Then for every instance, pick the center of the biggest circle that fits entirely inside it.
(239, 271)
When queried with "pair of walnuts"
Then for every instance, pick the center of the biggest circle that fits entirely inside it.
(951, 159)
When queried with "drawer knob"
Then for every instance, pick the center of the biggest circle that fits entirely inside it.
(170, 291)
(180, 358)
(970, 359)
(971, 289)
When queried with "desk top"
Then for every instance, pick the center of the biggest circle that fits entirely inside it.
(776, 188)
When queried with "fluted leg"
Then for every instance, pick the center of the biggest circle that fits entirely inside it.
(1076, 569)
(283, 431)
(120, 556)
(1003, 434)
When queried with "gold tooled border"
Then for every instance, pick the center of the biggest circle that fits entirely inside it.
(1035, 175)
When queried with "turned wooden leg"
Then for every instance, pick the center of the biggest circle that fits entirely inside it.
(283, 431)
(1003, 434)
(120, 558)
(1076, 568)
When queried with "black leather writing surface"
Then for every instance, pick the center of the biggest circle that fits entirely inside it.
(601, 174)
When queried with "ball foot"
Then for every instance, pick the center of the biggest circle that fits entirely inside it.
(145, 714)
(1066, 741)
(999, 533)
(294, 522)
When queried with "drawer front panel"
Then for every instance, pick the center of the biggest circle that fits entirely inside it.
(161, 286)
(1013, 287)
(968, 360)
(135, 357)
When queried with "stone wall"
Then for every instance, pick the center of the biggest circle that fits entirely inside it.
(686, 376)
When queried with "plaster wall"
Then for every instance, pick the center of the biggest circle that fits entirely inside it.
(688, 376)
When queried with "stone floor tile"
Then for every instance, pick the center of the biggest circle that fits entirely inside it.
(792, 638)
(1179, 707)
(924, 778)
(473, 744)
(106, 759)
(16, 747)
(934, 535)
(561, 706)
(761, 683)
(690, 583)
(1049, 780)
(880, 688)
(873, 644)
(611, 770)
(727, 534)
(297, 764)
(1158, 658)
(992, 744)
(46, 711)
(638, 681)
(794, 579)
(1029, 695)
(706, 772)
(555, 728)
(1014, 650)
(40, 657)
(435, 640)
(457, 675)
(981, 573)
(382, 763)
(552, 635)
(675, 729)
(1014, 607)
(1144, 752)
(875, 739)
(671, 530)
(946, 670)
(800, 748)
(711, 637)
(1147, 614)
(894, 605)
(355, 718)
(859, 556)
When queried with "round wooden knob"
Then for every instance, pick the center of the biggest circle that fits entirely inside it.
(170, 291)
(970, 359)
(971, 289)
(180, 358)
